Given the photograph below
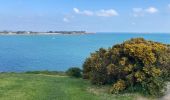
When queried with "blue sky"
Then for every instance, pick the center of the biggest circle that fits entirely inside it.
(88, 15)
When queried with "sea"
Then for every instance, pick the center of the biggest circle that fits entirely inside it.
(20, 53)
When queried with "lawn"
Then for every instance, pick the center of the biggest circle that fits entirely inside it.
(52, 87)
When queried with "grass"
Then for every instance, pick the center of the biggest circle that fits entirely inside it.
(52, 87)
(46, 72)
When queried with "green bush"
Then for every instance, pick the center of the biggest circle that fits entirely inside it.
(135, 65)
(74, 72)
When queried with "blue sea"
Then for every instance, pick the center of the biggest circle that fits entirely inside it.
(58, 52)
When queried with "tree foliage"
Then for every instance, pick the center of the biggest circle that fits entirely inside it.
(136, 65)
(74, 72)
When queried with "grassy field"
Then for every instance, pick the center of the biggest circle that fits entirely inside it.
(52, 87)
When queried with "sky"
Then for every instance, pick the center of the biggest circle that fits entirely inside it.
(87, 15)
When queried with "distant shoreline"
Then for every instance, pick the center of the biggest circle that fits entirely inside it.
(43, 33)
(40, 34)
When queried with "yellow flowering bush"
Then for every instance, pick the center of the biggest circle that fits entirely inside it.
(136, 64)
(118, 86)
(140, 76)
(155, 71)
(128, 68)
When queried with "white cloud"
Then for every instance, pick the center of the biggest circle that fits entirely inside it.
(102, 13)
(88, 13)
(85, 12)
(107, 13)
(151, 10)
(76, 10)
(66, 20)
(141, 11)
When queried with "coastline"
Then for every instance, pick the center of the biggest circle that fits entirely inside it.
(47, 34)
(44, 33)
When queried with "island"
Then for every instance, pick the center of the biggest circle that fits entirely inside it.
(45, 33)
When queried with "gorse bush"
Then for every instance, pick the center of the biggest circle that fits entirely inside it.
(74, 72)
(135, 65)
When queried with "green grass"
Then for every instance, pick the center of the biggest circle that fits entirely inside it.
(52, 87)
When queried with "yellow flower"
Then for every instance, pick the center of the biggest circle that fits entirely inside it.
(118, 86)
(140, 76)
(155, 71)
(128, 68)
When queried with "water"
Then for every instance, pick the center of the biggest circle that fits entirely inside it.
(57, 52)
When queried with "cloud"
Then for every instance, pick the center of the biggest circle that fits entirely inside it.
(66, 20)
(151, 10)
(141, 11)
(76, 10)
(101, 13)
(85, 12)
(107, 13)
(88, 13)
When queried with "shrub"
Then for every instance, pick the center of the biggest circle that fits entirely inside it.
(138, 64)
(118, 86)
(74, 72)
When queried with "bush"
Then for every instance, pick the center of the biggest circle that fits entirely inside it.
(118, 86)
(138, 64)
(74, 72)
